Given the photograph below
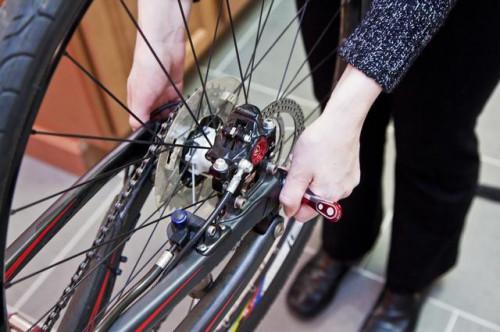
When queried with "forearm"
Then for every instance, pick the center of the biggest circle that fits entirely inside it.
(351, 100)
(391, 35)
(148, 87)
(162, 22)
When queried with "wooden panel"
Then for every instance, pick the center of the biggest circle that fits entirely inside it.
(110, 37)
(238, 6)
(202, 24)
(72, 105)
(104, 44)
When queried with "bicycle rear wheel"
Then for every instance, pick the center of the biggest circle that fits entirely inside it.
(33, 41)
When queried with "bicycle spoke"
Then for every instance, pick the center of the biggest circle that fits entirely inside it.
(107, 91)
(291, 51)
(165, 204)
(114, 139)
(83, 252)
(100, 177)
(212, 49)
(228, 6)
(318, 65)
(281, 34)
(113, 302)
(125, 236)
(129, 278)
(165, 71)
(257, 39)
(104, 258)
(313, 48)
(214, 39)
(195, 57)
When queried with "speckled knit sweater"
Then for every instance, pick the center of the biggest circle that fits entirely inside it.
(391, 35)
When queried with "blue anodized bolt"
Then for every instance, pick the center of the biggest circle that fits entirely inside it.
(179, 218)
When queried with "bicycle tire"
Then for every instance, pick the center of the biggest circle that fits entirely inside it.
(33, 37)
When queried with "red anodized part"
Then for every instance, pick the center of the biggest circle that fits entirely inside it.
(259, 151)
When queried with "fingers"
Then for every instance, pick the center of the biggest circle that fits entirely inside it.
(134, 123)
(296, 184)
(143, 100)
(305, 213)
(138, 101)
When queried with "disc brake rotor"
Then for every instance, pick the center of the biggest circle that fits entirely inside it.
(289, 120)
(223, 94)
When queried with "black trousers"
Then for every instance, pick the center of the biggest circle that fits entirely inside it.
(434, 110)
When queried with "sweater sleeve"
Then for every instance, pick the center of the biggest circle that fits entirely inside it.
(391, 35)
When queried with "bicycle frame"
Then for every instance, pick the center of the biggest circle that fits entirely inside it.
(155, 305)
(38, 234)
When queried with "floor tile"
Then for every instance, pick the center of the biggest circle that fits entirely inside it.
(271, 69)
(433, 318)
(487, 127)
(346, 313)
(465, 325)
(473, 285)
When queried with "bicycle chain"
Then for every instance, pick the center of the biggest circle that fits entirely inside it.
(282, 105)
(104, 229)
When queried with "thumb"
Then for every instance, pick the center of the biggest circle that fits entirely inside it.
(295, 186)
(134, 123)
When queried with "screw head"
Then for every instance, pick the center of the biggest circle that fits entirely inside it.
(240, 202)
(220, 165)
(211, 230)
(202, 247)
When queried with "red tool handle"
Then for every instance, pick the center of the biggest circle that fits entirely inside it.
(332, 211)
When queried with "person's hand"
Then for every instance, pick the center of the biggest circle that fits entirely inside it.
(148, 87)
(326, 155)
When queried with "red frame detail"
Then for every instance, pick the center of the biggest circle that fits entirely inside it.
(13, 268)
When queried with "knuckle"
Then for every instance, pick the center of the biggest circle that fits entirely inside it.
(346, 194)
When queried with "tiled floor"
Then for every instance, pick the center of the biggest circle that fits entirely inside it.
(467, 299)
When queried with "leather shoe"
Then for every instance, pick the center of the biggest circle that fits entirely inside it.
(315, 285)
(394, 312)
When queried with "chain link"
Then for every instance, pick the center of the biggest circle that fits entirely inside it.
(103, 231)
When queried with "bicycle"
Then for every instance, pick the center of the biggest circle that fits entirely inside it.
(214, 138)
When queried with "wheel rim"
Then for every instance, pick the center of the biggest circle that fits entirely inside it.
(246, 75)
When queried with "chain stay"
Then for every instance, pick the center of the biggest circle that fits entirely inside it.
(104, 229)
